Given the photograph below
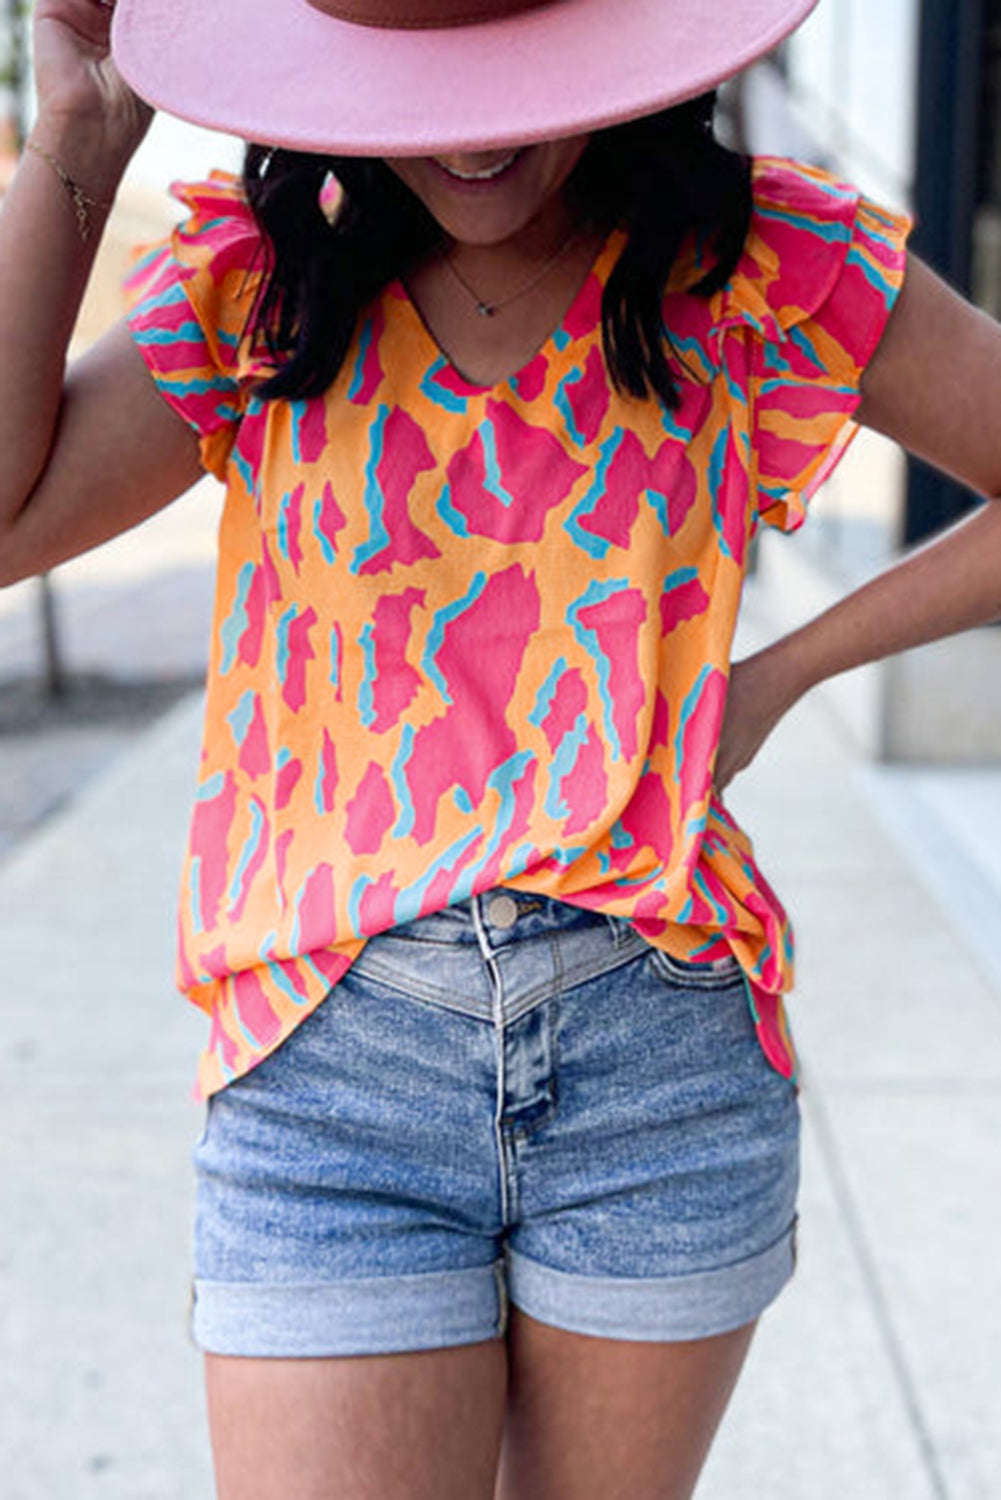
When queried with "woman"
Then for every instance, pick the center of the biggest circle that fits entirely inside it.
(502, 359)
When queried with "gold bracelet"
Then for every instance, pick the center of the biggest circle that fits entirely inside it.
(82, 201)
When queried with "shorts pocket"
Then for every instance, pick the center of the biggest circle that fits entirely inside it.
(709, 974)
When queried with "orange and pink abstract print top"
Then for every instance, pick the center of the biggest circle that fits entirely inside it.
(469, 637)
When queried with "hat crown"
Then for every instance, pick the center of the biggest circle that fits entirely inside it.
(423, 15)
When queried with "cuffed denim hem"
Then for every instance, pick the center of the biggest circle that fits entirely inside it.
(360, 1315)
(663, 1308)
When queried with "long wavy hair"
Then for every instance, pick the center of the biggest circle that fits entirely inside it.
(662, 179)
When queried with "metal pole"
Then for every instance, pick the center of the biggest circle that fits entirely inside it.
(950, 91)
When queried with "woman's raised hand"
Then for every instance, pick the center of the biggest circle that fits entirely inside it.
(76, 80)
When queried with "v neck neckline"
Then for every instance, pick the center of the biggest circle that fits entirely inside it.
(600, 269)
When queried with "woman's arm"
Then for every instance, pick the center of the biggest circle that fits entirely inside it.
(88, 458)
(934, 386)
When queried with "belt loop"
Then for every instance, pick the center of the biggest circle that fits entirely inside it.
(620, 929)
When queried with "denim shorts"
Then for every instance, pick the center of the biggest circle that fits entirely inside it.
(513, 1099)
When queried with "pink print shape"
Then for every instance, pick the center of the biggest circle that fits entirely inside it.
(377, 907)
(508, 478)
(647, 819)
(248, 646)
(211, 825)
(682, 494)
(524, 806)
(300, 651)
(405, 456)
(480, 658)
(253, 858)
(250, 438)
(282, 845)
(313, 430)
(396, 682)
(589, 396)
(585, 313)
(699, 740)
(732, 511)
(254, 1008)
(371, 372)
(660, 731)
(328, 773)
(314, 910)
(584, 790)
(286, 782)
(631, 475)
(255, 756)
(531, 381)
(370, 813)
(685, 602)
(272, 581)
(616, 623)
(221, 1044)
(293, 525)
(330, 518)
(569, 701)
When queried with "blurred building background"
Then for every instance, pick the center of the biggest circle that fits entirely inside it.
(904, 99)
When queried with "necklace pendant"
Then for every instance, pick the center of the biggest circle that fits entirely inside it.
(485, 310)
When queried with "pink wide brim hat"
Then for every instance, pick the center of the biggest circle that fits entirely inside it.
(424, 77)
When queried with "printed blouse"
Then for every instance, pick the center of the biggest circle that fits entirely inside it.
(471, 636)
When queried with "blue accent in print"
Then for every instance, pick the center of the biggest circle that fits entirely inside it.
(375, 500)
(335, 658)
(366, 692)
(454, 519)
(237, 621)
(689, 706)
(503, 780)
(595, 546)
(242, 717)
(598, 593)
(408, 814)
(281, 981)
(562, 765)
(195, 892)
(408, 902)
(364, 344)
(214, 787)
(436, 634)
(281, 530)
(829, 230)
(717, 469)
(546, 694)
(620, 838)
(450, 400)
(250, 848)
(282, 648)
(565, 407)
(492, 478)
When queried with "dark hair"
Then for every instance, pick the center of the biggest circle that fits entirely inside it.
(662, 179)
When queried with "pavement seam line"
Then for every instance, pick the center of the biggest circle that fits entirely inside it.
(859, 1241)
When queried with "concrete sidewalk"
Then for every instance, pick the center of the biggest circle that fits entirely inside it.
(876, 1376)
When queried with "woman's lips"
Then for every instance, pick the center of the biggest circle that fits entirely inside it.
(483, 177)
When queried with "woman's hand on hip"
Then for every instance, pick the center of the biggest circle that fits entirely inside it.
(762, 689)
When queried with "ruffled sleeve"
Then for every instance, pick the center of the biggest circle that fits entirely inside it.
(189, 298)
(820, 273)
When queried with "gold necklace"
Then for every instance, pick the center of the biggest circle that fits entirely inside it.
(490, 309)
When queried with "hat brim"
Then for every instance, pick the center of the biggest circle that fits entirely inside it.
(283, 73)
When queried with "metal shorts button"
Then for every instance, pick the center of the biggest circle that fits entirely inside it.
(502, 912)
